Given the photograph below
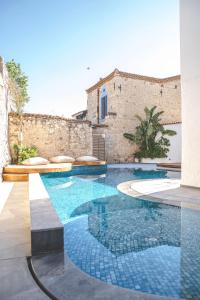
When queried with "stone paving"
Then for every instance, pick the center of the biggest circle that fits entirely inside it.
(67, 282)
(16, 282)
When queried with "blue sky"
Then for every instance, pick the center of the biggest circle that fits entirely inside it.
(55, 42)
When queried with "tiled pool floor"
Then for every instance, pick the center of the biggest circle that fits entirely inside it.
(140, 245)
(68, 282)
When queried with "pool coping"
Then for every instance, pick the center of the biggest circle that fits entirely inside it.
(55, 269)
(184, 197)
(47, 231)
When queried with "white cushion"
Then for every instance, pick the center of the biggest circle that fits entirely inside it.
(61, 159)
(33, 161)
(87, 158)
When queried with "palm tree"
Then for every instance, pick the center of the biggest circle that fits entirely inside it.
(150, 135)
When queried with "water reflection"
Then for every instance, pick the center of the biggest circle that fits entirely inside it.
(146, 174)
(132, 243)
(124, 225)
(138, 244)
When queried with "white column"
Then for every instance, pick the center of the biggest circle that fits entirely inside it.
(190, 81)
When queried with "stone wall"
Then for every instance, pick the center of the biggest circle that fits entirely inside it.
(52, 135)
(5, 107)
(126, 98)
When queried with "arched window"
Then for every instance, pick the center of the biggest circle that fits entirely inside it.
(104, 103)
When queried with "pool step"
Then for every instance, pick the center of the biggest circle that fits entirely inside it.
(15, 177)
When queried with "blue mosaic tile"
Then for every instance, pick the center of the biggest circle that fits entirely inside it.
(132, 243)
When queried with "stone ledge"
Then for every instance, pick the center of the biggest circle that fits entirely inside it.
(48, 117)
(47, 232)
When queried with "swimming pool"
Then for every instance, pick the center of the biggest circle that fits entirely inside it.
(132, 243)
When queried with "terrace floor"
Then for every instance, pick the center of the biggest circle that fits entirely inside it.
(16, 281)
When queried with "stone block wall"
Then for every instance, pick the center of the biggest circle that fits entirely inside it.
(52, 135)
(128, 97)
(5, 107)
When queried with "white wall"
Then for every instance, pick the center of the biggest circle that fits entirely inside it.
(190, 81)
(5, 106)
(174, 154)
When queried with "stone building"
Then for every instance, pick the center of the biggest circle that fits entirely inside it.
(114, 101)
(81, 115)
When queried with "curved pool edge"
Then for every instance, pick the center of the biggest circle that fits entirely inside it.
(58, 275)
(127, 188)
(185, 197)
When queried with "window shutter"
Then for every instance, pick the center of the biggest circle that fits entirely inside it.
(104, 107)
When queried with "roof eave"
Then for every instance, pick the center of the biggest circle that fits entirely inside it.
(116, 72)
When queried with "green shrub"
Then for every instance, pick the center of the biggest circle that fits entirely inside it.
(150, 136)
(23, 152)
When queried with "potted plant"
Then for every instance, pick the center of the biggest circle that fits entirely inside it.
(150, 137)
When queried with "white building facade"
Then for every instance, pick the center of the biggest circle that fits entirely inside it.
(190, 83)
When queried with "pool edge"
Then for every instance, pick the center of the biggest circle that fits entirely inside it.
(47, 231)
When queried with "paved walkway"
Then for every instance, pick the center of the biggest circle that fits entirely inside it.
(16, 282)
(5, 189)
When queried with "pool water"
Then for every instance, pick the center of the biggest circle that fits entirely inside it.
(133, 243)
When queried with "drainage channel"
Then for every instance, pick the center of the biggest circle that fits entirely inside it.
(38, 282)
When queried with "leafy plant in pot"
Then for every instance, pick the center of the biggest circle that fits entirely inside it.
(151, 136)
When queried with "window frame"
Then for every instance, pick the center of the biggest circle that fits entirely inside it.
(104, 106)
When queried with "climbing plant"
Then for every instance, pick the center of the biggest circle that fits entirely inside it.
(17, 85)
(17, 88)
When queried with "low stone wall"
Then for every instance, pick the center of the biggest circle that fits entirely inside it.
(5, 107)
(52, 135)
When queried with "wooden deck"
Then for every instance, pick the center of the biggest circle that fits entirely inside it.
(169, 166)
(89, 163)
(20, 169)
(20, 172)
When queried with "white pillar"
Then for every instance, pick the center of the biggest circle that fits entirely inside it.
(190, 81)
